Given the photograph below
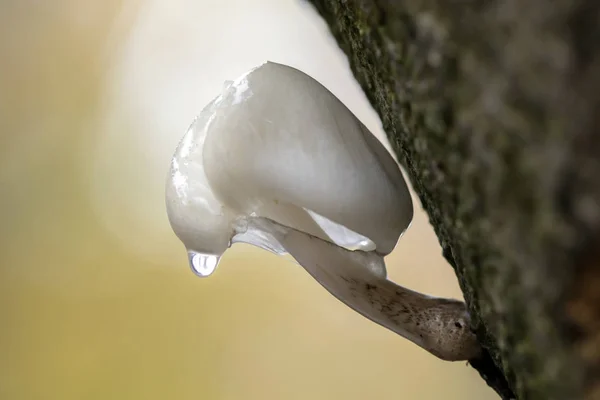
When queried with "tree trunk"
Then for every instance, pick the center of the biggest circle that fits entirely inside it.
(492, 108)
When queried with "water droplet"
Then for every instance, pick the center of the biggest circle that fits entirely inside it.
(203, 265)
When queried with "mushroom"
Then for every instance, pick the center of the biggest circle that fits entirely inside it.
(279, 162)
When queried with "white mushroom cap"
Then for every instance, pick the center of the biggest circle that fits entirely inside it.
(278, 144)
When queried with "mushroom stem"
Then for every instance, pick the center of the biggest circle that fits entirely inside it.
(440, 326)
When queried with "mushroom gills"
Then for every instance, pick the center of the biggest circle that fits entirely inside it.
(204, 264)
(248, 230)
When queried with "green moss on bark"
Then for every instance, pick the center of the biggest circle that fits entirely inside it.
(491, 108)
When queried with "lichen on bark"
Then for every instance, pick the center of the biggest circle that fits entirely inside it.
(492, 108)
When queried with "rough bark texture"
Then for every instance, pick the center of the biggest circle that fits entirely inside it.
(492, 107)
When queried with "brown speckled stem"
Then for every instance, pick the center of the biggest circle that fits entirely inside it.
(440, 326)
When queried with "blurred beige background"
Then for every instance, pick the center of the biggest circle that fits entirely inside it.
(96, 299)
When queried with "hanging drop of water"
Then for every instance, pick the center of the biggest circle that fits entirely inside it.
(203, 265)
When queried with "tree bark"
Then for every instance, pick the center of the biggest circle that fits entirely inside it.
(492, 108)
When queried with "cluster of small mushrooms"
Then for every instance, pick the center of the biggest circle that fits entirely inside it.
(277, 161)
